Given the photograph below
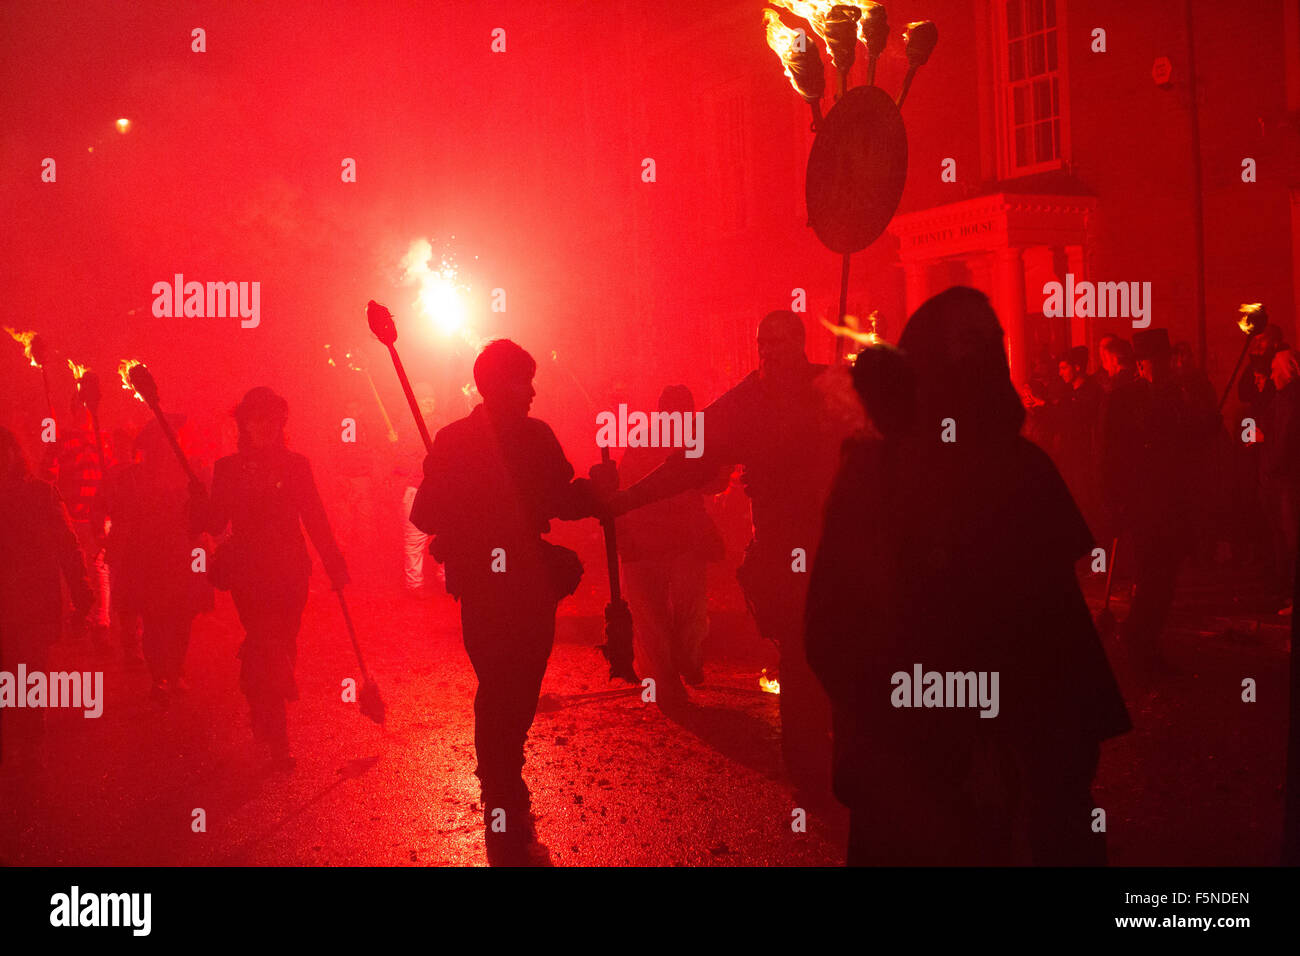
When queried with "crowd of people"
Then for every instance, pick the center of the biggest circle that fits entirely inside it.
(912, 511)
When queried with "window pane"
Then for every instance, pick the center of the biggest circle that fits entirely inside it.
(1056, 102)
(1014, 28)
(1023, 157)
(1051, 13)
(1021, 96)
(1042, 100)
(1056, 138)
(1043, 141)
(1037, 55)
(1035, 15)
(1051, 49)
(1016, 63)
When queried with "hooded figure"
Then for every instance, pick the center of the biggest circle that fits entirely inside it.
(948, 549)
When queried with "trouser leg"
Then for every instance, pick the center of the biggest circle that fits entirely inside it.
(415, 545)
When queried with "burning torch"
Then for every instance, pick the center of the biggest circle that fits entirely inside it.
(40, 353)
(88, 393)
(873, 30)
(1253, 320)
(858, 163)
(137, 378)
(802, 63)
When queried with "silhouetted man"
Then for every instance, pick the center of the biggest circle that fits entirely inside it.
(492, 484)
(1146, 459)
(778, 424)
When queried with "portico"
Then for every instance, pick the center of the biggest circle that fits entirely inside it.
(1007, 245)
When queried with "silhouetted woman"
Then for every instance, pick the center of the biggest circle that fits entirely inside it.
(38, 547)
(950, 544)
(266, 495)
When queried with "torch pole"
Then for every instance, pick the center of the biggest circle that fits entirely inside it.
(410, 397)
(45, 379)
(907, 85)
(171, 440)
(99, 442)
(844, 305)
(816, 107)
(1233, 377)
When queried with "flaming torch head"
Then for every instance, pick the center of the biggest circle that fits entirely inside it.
(88, 392)
(919, 40)
(126, 371)
(35, 346)
(839, 28)
(381, 322)
(142, 381)
(873, 28)
(1254, 318)
(802, 66)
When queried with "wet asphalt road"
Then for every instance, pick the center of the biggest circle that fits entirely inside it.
(615, 782)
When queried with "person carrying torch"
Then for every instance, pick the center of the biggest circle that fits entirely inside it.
(266, 495)
(492, 483)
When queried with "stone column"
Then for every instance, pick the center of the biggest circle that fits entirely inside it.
(1080, 329)
(916, 284)
(1009, 300)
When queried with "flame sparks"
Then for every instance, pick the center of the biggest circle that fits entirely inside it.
(124, 370)
(77, 370)
(25, 340)
(441, 295)
(123, 125)
(767, 685)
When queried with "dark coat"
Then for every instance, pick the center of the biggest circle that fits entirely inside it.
(957, 559)
(266, 497)
(38, 547)
(491, 485)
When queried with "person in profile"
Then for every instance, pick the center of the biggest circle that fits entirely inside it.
(38, 550)
(492, 484)
(949, 549)
(266, 495)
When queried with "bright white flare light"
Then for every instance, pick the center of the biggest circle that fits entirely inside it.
(441, 295)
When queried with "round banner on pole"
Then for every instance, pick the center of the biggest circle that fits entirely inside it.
(856, 170)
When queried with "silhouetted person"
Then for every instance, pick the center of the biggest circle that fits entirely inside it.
(1120, 438)
(1078, 413)
(38, 548)
(1151, 471)
(777, 423)
(492, 484)
(266, 495)
(79, 475)
(150, 552)
(957, 556)
(666, 548)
